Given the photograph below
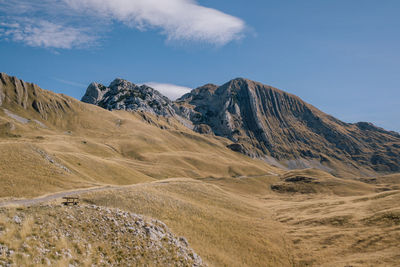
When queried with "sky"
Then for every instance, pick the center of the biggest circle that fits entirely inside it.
(341, 56)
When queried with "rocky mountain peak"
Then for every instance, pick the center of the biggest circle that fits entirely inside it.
(119, 82)
(200, 92)
(94, 93)
(263, 122)
(124, 95)
(268, 123)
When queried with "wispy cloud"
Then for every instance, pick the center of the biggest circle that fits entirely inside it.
(70, 83)
(172, 91)
(68, 24)
(46, 34)
(178, 19)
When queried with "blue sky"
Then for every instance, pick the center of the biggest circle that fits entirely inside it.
(342, 56)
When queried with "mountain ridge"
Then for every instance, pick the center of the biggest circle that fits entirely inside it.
(153, 165)
(121, 94)
(279, 127)
(70, 144)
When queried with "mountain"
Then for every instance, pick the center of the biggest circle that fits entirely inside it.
(66, 144)
(134, 170)
(124, 95)
(279, 127)
(264, 122)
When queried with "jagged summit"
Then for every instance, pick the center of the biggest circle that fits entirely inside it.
(94, 93)
(124, 95)
(200, 92)
(15, 94)
(264, 122)
(268, 123)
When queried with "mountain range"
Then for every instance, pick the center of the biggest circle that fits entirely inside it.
(192, 182)
(266, 123)
(65, 143)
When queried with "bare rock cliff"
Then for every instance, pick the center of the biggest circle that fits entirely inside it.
(124, 95)
(17, 94)
(268, 123)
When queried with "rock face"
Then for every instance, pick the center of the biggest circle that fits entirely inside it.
(1, 90)
(124, 95)
(17, 94)
(94, 93)
(267, 123)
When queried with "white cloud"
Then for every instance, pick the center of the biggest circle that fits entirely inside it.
(67, 24)
(172, 91)
(178, 19)
(70, 83)
(46, 34)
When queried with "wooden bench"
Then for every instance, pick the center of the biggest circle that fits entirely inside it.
(71, 200)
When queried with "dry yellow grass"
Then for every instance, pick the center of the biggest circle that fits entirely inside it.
(241, 222)
(101, 147)
(224, 228)
(342, 231)
(234, 211)
(54, 235)
(313, 181)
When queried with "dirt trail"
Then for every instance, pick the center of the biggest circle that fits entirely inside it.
(50, 197)
(60, 195)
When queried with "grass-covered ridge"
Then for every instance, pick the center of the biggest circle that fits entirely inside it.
(61, 143)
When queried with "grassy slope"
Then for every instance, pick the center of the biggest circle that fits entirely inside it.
(101, 147)
(228, 221)
(224, 228)
(54, 235)
(344, 231)
(242, 222)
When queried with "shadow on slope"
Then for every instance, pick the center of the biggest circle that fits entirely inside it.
(313, 181)
(51, 142)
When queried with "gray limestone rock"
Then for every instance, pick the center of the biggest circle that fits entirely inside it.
(263, 122)
(94, 93)
(124, 95)
(17, 219)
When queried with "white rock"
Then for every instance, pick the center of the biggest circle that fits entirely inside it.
(17, 219)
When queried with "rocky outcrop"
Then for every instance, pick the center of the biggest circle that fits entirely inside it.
(91, 235)
(17, 94)
(203, 129)
(124, 95)
(1, 89)
(190, 105)
(266, 122)
(94, 93)
(237, 147)
(20, 89)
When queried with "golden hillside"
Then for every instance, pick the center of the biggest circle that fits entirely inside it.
(51, 142)
(231, 209)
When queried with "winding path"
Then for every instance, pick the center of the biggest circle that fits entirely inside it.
(59, 195)
(50, 197)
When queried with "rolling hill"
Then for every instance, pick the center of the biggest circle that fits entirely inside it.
(265, 123)
(51, 142)
(140, 166)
